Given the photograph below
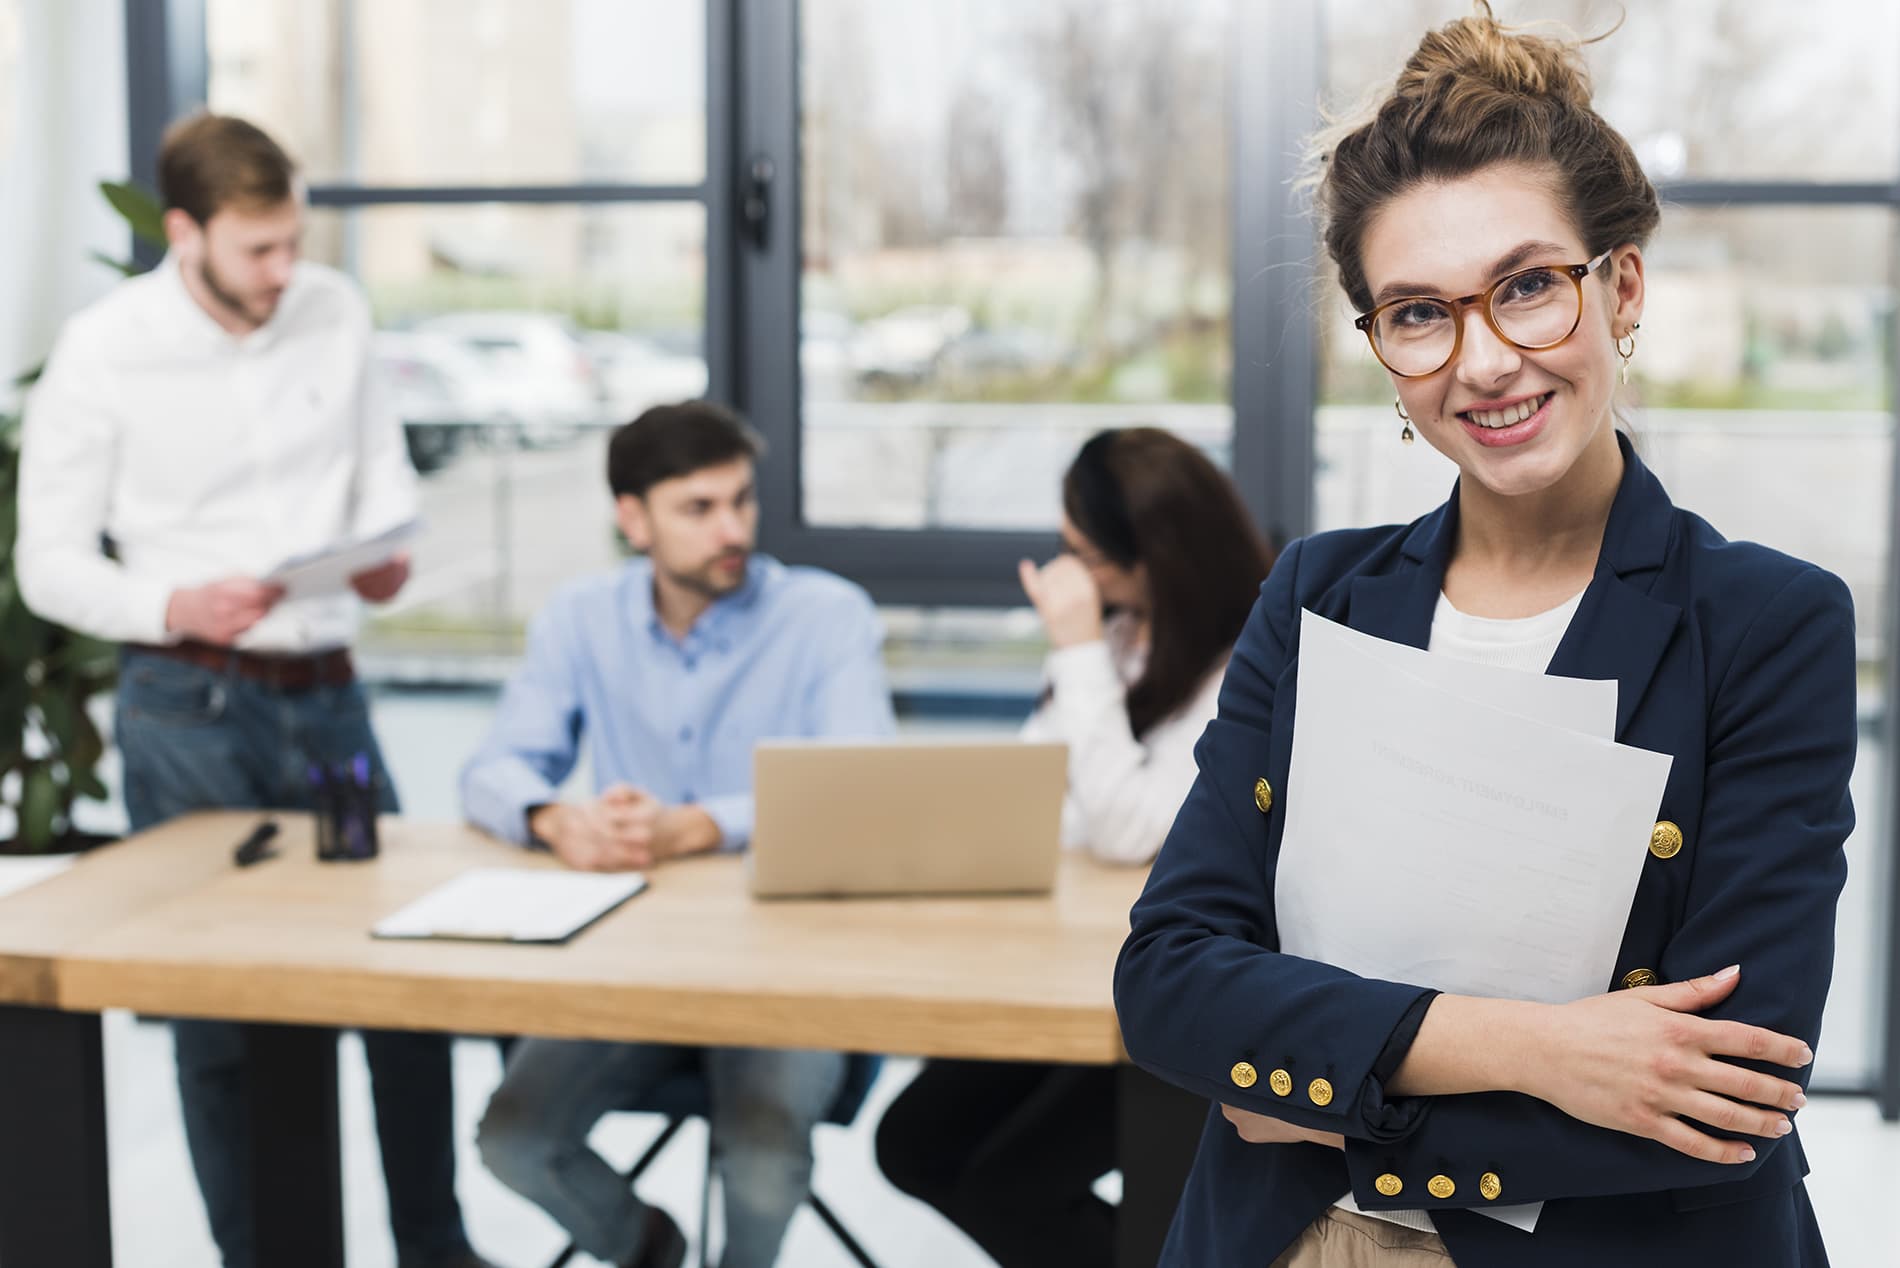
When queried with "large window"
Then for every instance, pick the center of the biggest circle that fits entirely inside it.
(1015, 233)
(518, 186)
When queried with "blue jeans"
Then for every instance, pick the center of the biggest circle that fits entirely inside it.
(764, 1104)
(196, 739)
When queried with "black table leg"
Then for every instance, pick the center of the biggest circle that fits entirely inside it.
(1157, 1129)
(54, 1205)
(296, 1146)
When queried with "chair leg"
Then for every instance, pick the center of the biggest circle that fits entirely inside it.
(839, 1231)
(633, 1174)
(705, 1203)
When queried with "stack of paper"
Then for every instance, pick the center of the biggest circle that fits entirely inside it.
(1459, 826)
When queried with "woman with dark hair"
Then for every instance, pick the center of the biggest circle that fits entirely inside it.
(1159, 569)
(1490, 227)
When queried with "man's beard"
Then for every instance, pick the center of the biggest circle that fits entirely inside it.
(706, 581)
(232, 301)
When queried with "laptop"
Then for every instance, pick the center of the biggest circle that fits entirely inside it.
(906, 817)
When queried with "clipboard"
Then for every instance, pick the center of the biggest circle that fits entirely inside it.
(511, 904)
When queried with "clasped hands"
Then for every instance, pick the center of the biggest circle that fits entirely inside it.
(624, 829)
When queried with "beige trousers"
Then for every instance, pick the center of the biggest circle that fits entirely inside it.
(1341, 1239)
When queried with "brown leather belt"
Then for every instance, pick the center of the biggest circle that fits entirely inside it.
(289, 674)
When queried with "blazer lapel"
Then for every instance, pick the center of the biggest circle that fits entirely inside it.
(1620, 630)
(1398, 605)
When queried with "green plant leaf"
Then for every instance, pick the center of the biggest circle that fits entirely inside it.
(125, 268)
(140, 210)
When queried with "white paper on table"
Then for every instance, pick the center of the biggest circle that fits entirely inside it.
(512, 904)
(329, 571)
(21, 871)
(1439, 840)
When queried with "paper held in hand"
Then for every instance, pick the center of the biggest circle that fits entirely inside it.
(326, 572)
(1459, 826)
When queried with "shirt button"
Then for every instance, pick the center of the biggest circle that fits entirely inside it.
(691, 661)
(687, 796)
(686, 733)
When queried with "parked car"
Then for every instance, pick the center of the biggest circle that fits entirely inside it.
(433, 384)
(636, 373)
(535, 375)
(900, 349)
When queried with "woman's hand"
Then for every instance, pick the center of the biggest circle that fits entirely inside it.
(1639, 1061)
(1066, 599)
(1260, 1129)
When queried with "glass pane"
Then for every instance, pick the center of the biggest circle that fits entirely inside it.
(512, 339)
(1702, 91)
(1761, 395)
(467, 92)
(1015, 234)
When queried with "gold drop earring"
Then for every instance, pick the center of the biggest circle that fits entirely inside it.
(1627, 353)
(1405, 435)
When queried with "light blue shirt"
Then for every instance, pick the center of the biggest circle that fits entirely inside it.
(794, 652)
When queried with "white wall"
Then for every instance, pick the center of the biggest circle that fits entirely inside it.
(62, 130)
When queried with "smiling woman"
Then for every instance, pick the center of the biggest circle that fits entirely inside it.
(1490, 227)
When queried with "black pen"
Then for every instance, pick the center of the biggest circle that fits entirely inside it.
(256, 847)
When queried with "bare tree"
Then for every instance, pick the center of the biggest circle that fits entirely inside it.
(975, 164)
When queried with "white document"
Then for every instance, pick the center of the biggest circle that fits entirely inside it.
(1581, 704)
(329, 571)
(21, 871)
(512, 904)
(1438, 839)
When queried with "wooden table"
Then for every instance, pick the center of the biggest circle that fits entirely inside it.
(165, 925)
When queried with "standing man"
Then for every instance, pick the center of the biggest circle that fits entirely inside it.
(670, 670)
(210, 419)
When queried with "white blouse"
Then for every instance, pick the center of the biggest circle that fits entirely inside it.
(1123, 792)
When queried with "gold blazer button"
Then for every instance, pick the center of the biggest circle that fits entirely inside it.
(1263, 795)
(1665, 840)
(1244, 1075)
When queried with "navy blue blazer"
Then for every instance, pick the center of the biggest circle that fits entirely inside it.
(1737, 660)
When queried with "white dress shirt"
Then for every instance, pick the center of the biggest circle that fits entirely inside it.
(1123, 792)
(203, 455)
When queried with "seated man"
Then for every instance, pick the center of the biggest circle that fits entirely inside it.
(673, 668)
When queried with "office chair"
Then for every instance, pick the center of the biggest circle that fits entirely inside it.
(685, 1096)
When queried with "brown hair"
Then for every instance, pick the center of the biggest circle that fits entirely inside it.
(1146, 496)
(208, 162)
(1475, 93)
(675, 440)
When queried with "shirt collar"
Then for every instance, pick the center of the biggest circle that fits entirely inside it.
(717, 620)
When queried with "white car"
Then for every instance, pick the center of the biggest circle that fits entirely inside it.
(636, 373)
(536, 375)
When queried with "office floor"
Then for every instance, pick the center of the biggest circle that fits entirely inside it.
(158, 1222)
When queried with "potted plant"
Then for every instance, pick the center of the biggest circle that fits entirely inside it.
(50, 746)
